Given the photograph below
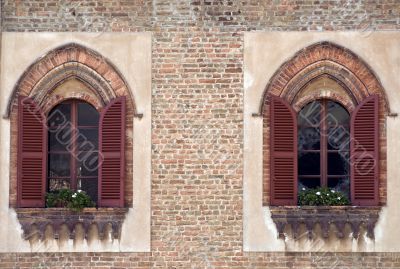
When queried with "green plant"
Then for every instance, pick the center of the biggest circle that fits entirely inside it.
(75, 201)
(322, 197)
(80, 200)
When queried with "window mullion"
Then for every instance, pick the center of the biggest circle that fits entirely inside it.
(74, 121)
(324, 145)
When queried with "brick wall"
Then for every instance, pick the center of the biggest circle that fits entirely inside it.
(253, 261)
(197, 118)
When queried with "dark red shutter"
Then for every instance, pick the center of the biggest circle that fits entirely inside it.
(112, 154)
(364, 156)
(32, 136)
(283, 124)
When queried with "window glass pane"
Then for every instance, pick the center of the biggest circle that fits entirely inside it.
(310, 114)
(339, 138)
(59, 165)
(87, 115)
(59, 183)
(309, 138)
(336, 114)
(337, 164)
(59, 115)
(90, 186)
(340, 184)
(88, 139)
(308, 183)
(88, 164)
(59, 139)
(309, 163)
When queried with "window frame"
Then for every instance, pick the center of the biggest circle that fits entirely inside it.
(74, 132)
(32, 187)
(364, 152)
(323, 127)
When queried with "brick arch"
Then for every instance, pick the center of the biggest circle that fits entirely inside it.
(54, 100)
(347, 99)
(71, 60)
(354, 88)
(341, 63)
(334, 97)
(72, 70)
(43, 76)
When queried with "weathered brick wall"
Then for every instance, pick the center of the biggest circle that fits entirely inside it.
(253, 261)
(197, 117)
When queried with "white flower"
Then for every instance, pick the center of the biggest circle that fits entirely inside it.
(303, 189)
(338, 198)
(318, 193)
(332, 191)
(79, 191)
(327, 194)
(74, 195)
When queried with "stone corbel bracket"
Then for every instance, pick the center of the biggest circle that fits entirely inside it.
(339, 216)
(36, 220)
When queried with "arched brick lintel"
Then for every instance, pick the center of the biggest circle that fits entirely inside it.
(345, 66)
(68, 59)
(72, 70)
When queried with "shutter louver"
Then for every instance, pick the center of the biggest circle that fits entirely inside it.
(364, 157)
(112, 154)
(283, 168)
(31, 154)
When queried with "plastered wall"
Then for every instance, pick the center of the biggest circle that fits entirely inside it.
(264, 53)
(131, 54)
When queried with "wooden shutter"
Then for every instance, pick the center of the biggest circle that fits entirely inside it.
(364, 158)
(112, 154)
(32, 137)
(283, 168)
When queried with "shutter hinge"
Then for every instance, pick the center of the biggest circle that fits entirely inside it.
(392, 114)
(138, 115)
(256, 115)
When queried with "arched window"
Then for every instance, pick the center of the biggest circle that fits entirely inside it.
(323, 146)
(74, 147)
(72, 152)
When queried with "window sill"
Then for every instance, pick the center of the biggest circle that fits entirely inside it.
(325, 216)
(40, 218)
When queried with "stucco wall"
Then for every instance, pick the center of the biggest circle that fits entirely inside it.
(131, 54)
(263, 55)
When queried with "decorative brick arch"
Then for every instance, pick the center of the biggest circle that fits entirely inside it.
(325, 59)
(66, 61)
(301, 102)
(43, 90)
(329, 69)
(98, 74)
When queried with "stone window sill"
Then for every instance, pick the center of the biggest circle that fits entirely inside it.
(325, 216)
(35, 220)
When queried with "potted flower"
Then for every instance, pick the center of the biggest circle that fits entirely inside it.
(67, 198)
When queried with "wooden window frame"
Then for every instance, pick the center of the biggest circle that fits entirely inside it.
(364, 153)
(74, 141)
(323, 149)
(111, 170)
